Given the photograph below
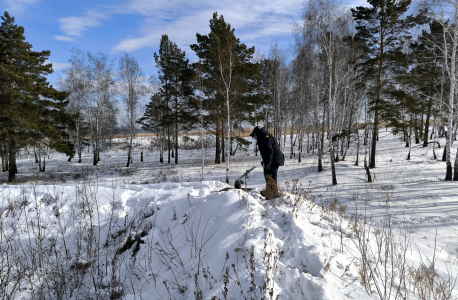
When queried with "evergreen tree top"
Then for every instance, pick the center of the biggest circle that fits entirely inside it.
(221, 36)
(222, 56)
(30, 108)
(17, 57)
(383, 24)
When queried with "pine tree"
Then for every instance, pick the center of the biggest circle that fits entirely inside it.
(31, 110)
(175, 75)
(152, 121)
(427, 68)
(230, 80)
(182, 75)
(380, 29)
(162, 62)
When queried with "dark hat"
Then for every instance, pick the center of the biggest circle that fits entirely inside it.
(255, 132)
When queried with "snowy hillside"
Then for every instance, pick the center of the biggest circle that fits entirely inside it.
(154, 231)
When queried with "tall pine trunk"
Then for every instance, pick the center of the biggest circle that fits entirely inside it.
(377, 101)
(129, 156)
(366, 167)
(95, 160)
(421, 127)
(39, 157)
(79, 154)
(159, 136)
(416, 127)
(4, 162)
(12, 170)
(376, 121)
(35, 153)
(176, 147)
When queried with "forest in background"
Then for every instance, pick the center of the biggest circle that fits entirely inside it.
(349, 71)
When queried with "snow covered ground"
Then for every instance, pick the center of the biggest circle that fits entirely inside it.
(154, 231)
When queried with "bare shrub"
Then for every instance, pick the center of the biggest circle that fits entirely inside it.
(298, 196)
(53, 262)
(126, 172)
(383, 266)
(167, 174)
(428, 283)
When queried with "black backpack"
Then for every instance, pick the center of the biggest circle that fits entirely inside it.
(279, 157)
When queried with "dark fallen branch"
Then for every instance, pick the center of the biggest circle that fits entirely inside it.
(421, 145)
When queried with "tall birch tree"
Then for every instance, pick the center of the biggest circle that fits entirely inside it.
(131, 88)
(445, 13)
(101, 88)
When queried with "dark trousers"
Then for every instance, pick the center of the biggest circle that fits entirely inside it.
(271, 183)
(272, 172)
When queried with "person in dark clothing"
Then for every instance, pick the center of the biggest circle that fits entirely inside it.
(272, 159)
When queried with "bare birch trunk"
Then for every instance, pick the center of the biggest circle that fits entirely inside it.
(410, 138)
(331, 114)
(357, 147)
(434, 143)
(228, 143)
(451, 71)
(202, 140)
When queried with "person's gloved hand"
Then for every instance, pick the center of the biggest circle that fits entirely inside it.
(267, 167)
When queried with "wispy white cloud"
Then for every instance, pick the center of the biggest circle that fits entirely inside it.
(179, 31)
(75, 26)
(56, 66)
(63, 38)
(131, 44)
(17, 6)
(182, 19)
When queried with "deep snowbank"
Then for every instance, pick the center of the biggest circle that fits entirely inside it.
(178, 240)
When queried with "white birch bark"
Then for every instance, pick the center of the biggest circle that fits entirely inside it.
(227, 63)
(441, 11)
(199, 80)
(132, 88)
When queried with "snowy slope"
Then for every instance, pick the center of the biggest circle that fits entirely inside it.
(198, 227)
(121, 233)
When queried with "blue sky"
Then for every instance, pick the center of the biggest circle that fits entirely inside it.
(135, 26)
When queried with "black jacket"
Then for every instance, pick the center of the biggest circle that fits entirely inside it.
(269, 148)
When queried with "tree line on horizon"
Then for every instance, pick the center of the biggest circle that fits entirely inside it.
(351, 70)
